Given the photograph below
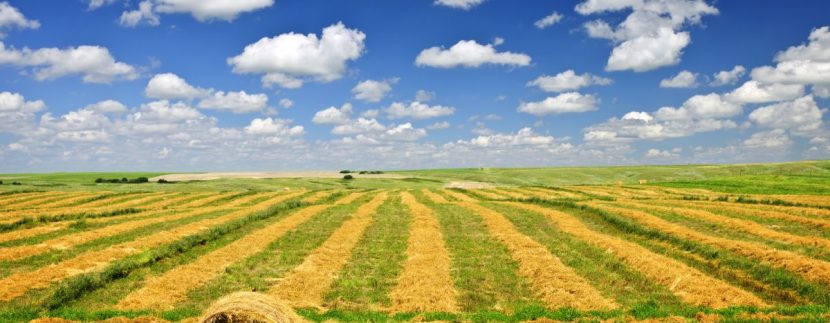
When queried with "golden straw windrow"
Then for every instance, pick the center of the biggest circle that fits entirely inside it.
(31, 232)
(510, 193)
(72, 199)
(72, 240)
(551, 193)
(118, 199)
(206, 201)
(434, 197)
(425, 283)
(164, 291)
(458, 196)
(811, 269)
(18, 284)
(691, 285)
(29, 200)
(306, 284)
(241, 201)
(317, 196)
(554, 283)
(750, 227)
(758, 212)
(488, 194)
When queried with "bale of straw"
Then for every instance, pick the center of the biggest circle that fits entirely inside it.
(250, 307)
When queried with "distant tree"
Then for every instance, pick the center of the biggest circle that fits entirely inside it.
(124, 180)
(348, 177)
(142, 180)
(345, 171)
(99, 180)
(163, 181)
(1, 182)
(16, 183)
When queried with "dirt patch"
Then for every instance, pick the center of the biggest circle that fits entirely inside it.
(266, 175)
(469, 185)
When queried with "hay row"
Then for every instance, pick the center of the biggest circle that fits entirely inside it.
(689, 284)
(240, 202)
(31, 232)
(758, 212)
(746, 226)
(510, 193)
(164, 291)
(350, 198)
(72, 240)
(554, 283)
(306, 284)
(811, 269)
(118, 199)
(139, 202)
(458, 196)
(434, 197)
(12, 198)
(205, 201)
(591, 190)
(71, 200)
(488, 194)
(175, 201)
(317, 196)
(425, 283)
(18, 284)
(548, 193)
(29, 200)
(37, 203)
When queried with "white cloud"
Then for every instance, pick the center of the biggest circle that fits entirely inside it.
(569, 102)
(458, 4)
(333, 115)
(548, 20)
(274, 127)
(107, 106)
(645, 53)
(94, 63)
(144, 13)
(728, 77)
(11, 17)
(523, 137)
(439, 125)
(16, 113)
(801, 116)
(707, 106)
(95, 4)
(424, 96)
(371, 113)
(684, 79)
(417, 110)
(202, 10)
(657, 153)
(373, 91)
(650, 37)
(806, 64)
(78, 126)
(290, 59)
(170, 86)
(755, 92)
(404, 132)
(568, 81)
(469, 53)
(236, 102)
(286, 103)
(774, 139)
(360, 126)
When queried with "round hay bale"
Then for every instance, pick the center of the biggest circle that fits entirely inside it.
(250, 307)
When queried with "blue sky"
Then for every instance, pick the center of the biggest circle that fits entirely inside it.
(272, 85)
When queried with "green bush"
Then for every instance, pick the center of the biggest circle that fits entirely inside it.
(347, 177)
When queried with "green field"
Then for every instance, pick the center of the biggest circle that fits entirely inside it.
(726, 242)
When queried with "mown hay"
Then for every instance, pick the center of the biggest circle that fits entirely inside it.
(249, 307)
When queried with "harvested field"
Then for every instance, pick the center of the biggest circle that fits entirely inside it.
(507, 253)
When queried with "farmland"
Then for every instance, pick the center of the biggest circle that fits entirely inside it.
(736, 242)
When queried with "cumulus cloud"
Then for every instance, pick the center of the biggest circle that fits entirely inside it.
(424, 96)
(439, 125)
(800, 116)
(650, 37)
(274, 127)
(700, 113)
(143, 14)
(168, 86)
(728, 77)
(548, 20)
(806, 64)
(236, 102)
(373, 91)
(569, 102)
(290, 59)
(203, 10)
(286, 103)
(567, 81)
(684, 79)
(333, 115)
(775, 139)
(458, 4)
(523, 137)
(417, 110)
(107, 106)
(94, 63)
(756, 92)
(95, 4)
(657, 153)
(11, 17)
(16, 113)
(469, 53)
